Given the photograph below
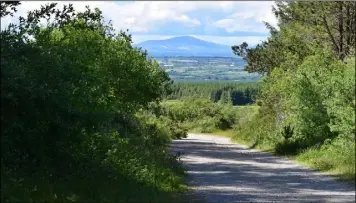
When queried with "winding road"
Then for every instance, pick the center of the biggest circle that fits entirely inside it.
(221, 171)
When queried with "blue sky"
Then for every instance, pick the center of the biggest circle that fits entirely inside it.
(221, 22)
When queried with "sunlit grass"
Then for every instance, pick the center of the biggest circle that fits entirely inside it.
(330, 161)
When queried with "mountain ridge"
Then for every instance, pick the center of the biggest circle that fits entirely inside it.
(185, 46)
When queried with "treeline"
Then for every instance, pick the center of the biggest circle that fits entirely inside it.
(225, 92)
(74, 103)
(308, 97)
(203, 115)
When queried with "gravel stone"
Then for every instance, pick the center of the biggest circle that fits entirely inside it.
(221, 171)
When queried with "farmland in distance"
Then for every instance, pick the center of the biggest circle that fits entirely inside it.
(206, 69)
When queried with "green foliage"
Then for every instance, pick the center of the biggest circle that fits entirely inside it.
(8, 8)
(261, 59)
(70, 94)
(258, 130)
(332, 24)
(307, 103)
(337, 157)
(207, 124)
(303, 26)
(204, 115)
(157, 116)
(339, 98)
(225, 92)
(106, 168)
(307, 106)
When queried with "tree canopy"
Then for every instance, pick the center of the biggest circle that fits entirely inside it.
(303, 28)
(69, 83)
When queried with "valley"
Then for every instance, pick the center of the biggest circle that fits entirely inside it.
(144, 109)
(187, 58)
(206, 69)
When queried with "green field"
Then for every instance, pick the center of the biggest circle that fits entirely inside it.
(206, 69)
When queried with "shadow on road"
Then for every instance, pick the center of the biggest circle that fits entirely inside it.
(225, 172)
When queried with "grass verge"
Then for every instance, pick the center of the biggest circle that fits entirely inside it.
(327, 160)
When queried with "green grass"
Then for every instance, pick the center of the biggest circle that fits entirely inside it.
(171, 101)
(329, 160)
(252, 107)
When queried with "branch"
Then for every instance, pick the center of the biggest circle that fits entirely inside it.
(341, 30)
(329, 33)
(8, 8)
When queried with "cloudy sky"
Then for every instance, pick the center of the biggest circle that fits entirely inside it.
(229, 22)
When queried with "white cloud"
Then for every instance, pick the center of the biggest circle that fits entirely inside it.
(136, 16)
(147, 16)
(250, 18)
(230, 41)
(143, 17)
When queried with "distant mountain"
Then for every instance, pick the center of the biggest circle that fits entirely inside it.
(185, 46)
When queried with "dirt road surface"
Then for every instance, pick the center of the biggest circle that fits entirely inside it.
(220, 171)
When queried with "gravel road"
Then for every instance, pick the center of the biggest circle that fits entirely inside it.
(220, 171)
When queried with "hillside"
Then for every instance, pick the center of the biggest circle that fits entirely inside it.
(185, 46)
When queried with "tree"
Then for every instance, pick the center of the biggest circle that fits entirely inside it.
(304, 26)
(334, 22)
(265, 56)
(8, 8)
(66, 80)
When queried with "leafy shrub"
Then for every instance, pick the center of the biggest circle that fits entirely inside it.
(336, 156)
(316, 100)
(207, 124)
(70, 92)
(288, 145)
(202, 114)
(310, 86)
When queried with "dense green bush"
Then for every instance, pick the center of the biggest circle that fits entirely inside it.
(204, 115)
(156, 117)
(317, 104)
(105, 168)
(259, 129)
(70, 92)
(337, 156)
(307, 99)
